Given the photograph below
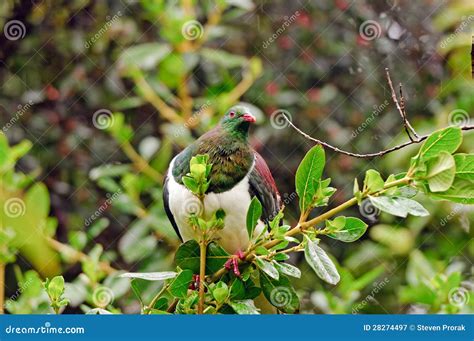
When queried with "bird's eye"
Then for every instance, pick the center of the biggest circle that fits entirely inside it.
(231, 114)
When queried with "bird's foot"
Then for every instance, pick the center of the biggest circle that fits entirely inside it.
(194, 285)
(233, 262)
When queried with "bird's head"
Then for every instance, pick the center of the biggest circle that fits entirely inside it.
(237, 120)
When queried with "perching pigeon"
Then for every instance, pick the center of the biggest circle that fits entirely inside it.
(238, 174)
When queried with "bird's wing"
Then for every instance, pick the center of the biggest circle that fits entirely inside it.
(264, 188)
(167, 206)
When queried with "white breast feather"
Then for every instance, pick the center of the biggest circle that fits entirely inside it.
(235, 202)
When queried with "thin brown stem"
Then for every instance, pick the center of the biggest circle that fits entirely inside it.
(151, 96)
(401, 107)
(156, 298)
(369, 155)
(202, 273)
(2, 287)
(140, 163)
(78, 256)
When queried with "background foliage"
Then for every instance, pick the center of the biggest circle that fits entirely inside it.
(107, 92)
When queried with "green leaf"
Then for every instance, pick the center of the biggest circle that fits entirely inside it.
(440, 171)
(462, 188)
(220, 292)
(136, 291)
(145, 56)
(253, 215)
(336, 224)
(445, 140)
(37, 199)
(280, 293)
(244, 307)
(320, 262)
(308, 174)
(461, 191)
(187, 257)
(281, 257)
(150, 276)
(288, 269)
(267, 267)
(55, 287)
(237, 289)
(399, 206)
(464, 166)
(179, 287)
(353, 229)
(223, 58)
(4, 150)
(373, 181)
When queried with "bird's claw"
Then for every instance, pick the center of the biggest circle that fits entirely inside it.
(233, 262)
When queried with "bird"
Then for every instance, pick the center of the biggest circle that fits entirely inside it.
(238, 174)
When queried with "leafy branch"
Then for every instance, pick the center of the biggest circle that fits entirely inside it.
(435, 170)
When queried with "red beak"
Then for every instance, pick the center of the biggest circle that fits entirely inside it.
(249, 118)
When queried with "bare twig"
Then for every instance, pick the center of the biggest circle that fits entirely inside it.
(412, 134)
(401, 108)
(369, 155)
